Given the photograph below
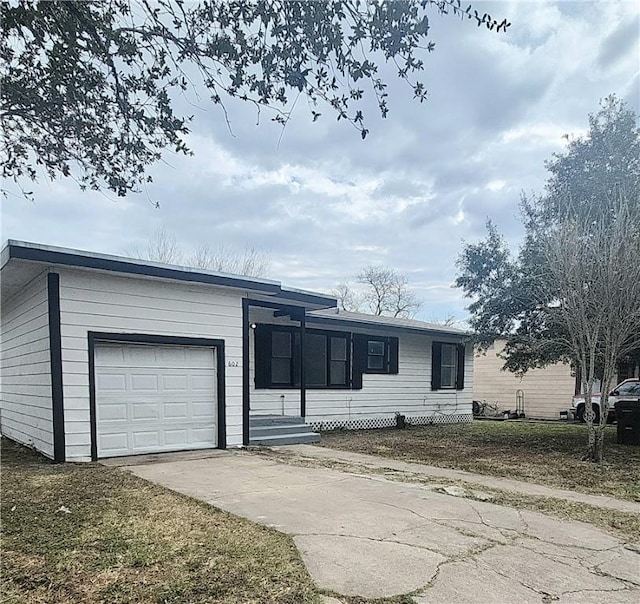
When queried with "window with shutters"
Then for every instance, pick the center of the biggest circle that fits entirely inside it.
(277, 358)
(447, 366)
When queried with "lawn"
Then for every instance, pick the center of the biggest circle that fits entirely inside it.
(540, 452)
(88, 533)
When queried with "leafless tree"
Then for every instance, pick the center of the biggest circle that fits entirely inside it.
(250, 262)
(382, 291)
(348, 299)
(594, 265)
(163, 247)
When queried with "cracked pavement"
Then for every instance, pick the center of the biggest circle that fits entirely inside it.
(372, 537)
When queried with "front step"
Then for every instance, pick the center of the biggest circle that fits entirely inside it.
(280, 430)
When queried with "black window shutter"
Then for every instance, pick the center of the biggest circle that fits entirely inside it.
(460, 376)
(436, 365)
(359, 365)
(262, 353)
(393, 355)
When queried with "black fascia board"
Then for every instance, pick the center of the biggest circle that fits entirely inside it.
(123, 266)
(23, 252)
(385, 328)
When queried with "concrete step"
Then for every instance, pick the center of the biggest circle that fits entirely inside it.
(274, 420)
(287, 439)
(257, 431)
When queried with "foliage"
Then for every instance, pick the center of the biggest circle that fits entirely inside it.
(572, 292)
(384, 291)
(89, 88)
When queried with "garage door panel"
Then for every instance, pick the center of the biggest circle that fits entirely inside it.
(202, 383)
(204, 409)
(142, 411)
(116, 382)
(175, 382)
(113, 411)
(113, 443)
(154, 398)
(175, 410)
(176, 437)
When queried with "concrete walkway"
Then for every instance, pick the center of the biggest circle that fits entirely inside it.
(373, 537)
(494, 482)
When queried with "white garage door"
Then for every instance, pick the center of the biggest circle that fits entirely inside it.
(153, 398)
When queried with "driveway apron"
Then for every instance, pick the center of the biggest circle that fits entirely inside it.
(363, 535)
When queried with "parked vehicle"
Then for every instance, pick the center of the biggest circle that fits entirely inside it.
(626, 390)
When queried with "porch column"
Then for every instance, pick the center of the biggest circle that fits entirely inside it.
(303, 383)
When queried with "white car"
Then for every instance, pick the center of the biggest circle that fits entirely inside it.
(628, 389)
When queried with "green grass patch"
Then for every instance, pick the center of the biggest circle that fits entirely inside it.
(540, 452)
(127, 540)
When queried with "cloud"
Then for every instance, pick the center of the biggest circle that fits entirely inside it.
(325, 203)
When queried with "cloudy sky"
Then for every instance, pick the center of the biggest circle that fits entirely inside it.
(323, 203)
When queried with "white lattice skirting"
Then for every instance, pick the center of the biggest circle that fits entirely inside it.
(388, 421)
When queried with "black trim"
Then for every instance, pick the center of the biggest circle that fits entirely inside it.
(460, 368)
(373, 326)
(436, 365)
(245, 372)
(303, 382)
(55, 355)
(138, 338)
(67, 258)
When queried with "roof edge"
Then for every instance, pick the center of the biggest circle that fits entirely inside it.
(22, 250)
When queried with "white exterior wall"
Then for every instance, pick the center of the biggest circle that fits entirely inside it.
(92, 301)
(547, 391)
(26, 402)
(408, 392)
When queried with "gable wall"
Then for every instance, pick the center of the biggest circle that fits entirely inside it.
(26, 414)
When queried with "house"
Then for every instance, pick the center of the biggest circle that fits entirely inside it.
(105, 356)
(544, 392)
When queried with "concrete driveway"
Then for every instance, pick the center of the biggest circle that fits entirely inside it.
(368, 536)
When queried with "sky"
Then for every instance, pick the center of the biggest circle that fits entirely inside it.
(323, 203)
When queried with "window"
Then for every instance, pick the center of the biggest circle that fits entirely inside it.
(376, 355)
(447, 366)
(373, 354)
(281, 357)
(277, 358)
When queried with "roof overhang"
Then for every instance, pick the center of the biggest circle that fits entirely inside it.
(39, 257)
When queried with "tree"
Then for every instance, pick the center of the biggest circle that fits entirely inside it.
(594, 268)
(384, 292)
(89, 88)
(572, 239)
(163, 247)
(223, 259)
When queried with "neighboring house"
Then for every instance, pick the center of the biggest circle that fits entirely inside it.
(546, 391)
(105, 356)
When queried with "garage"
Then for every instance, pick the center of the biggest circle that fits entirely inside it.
(152, 398)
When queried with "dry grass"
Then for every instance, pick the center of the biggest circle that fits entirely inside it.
(539, 452)
(126, 540)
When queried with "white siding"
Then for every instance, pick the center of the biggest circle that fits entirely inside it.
(547, 391)
(111, 303)
(409, 392)
(26, 404)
